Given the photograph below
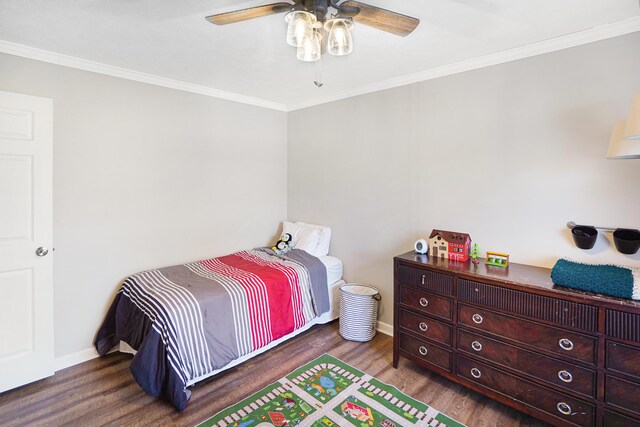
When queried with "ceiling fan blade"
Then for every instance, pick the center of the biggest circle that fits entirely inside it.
(382, 19)
(250, 13)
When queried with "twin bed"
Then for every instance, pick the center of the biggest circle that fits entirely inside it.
(191, 321)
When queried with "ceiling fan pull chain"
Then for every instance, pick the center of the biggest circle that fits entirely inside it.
(318, 79)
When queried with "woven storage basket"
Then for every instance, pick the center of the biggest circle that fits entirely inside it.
(358, 311)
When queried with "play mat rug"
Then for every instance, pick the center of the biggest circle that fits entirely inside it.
(328, 392)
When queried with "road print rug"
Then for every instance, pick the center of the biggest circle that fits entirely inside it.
(328, 392)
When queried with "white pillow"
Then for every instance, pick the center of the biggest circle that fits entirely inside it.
(305, 238)
(325, 238)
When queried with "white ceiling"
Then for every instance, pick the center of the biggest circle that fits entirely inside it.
(171, 39)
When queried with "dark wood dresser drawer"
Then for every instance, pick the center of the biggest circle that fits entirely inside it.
(553, 310)
(490, 378)
(625, 326)
(426, 302)
(622, 393)
(426, 327)
(428, 352)
(568, 409)
(623, 358)
(425, 279)
(547, 338)
(613, 419)
(554, 371)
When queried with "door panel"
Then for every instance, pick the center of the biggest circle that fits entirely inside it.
(16, 288)
(26, 280)
(16, 197)
(16, 124)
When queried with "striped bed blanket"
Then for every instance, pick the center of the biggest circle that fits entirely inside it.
(189, 320)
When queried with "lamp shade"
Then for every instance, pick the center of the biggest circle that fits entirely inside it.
(310, 49)
(620, 147)
(632, 129)
(300, 26)
(340, 41)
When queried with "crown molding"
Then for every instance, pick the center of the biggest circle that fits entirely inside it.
(591, 35)
(124, 73)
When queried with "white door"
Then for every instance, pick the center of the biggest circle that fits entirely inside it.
(26, 261)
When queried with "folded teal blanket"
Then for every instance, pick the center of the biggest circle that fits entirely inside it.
(617, 281)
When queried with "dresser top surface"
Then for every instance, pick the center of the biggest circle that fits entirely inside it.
(521, 275)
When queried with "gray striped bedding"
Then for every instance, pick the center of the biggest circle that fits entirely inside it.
(188, 320)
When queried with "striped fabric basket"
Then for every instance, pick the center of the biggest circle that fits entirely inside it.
(358, 311)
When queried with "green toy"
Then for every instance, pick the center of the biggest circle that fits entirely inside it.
(474, 254)
(498, 259)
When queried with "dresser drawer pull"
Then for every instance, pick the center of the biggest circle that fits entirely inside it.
(423, 350)
(423, 326)
(564, 408)
(565, 344)
(424, 302)
(476, 346)
(477, 318)
(565, 376)
(423, 279)
(475, 373)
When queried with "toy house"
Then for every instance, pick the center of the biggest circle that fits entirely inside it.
(277, 419)
(450, 244)
(350, 409)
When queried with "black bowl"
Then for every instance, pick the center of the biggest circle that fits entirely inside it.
(627, 240)
(584, 236)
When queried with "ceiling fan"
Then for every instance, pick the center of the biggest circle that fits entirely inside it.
(310, 20)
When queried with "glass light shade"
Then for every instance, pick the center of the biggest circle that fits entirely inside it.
(300, 26)
(310, 49)
(632, 128)
(620, 147)
(340, 41)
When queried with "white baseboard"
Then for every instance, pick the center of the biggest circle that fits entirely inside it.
(90, 353)
(74, 358)
(385, 328)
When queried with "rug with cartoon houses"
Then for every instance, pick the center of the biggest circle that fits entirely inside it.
(328, 392)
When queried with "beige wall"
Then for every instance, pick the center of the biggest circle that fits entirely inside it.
(147, 177)
(508, 153)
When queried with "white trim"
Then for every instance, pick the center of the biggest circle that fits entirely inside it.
(385, 328)
(110, 70)
(91, 353)
(74, 358)
(591, 35)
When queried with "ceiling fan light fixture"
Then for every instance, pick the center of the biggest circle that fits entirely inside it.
(310, 49)
(340, 41)
(300, 26)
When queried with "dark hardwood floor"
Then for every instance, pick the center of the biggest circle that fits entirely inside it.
(103, 392)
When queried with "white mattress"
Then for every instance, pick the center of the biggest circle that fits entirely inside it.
(334, 268)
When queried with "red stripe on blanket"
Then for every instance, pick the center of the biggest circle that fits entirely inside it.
(269, 298)
(293, 281)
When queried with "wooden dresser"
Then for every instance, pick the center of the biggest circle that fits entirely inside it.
(563, 356)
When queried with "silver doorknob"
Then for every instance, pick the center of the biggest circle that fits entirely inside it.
(42, 251)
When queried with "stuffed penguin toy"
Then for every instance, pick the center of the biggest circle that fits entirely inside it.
(284, 245)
